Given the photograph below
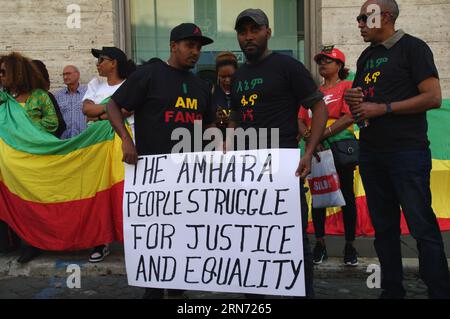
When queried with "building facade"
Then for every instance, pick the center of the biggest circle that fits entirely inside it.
(62, 32)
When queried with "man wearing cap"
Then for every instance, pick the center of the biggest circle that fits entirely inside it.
(396, 83)
(267, 91)
(156, 92)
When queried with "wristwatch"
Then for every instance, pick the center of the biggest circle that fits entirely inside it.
(388, 108)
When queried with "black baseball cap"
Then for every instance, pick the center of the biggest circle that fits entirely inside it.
(111, 52)
(256, 15)
(189, 31)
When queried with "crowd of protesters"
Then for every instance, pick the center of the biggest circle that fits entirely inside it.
(395, 160)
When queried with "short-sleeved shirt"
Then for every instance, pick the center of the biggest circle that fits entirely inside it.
(268, 95)
(99, 90)
(334, 99)
(391, 72)
(163, 99)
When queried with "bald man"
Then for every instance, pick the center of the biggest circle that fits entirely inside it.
(70, 102)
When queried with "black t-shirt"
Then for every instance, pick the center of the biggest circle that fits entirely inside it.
(392, 75)
(268, 95)
(220, 100)
(163, 99)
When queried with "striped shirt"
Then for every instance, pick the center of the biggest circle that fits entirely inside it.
(71, 105)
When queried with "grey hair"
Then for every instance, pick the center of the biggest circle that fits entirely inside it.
(391, 6)
(72, 66)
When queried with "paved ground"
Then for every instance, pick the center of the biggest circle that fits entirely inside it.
(116, 287)
(46, 276)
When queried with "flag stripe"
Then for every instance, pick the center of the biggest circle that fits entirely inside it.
(78, 175)
(439, 131)
(72, 225)
(21, 134)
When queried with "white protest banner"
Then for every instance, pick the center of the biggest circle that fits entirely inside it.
(215, 222)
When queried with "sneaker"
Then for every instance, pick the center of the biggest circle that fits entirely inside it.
(319, 253)
(350, 256)
(28, 254)
(99, 253)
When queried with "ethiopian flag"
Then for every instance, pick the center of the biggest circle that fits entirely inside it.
(67, 195)
(439, 135)
(59, 195)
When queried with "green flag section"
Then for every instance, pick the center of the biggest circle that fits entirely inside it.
(439, 131)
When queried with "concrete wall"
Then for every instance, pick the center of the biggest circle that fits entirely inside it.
(38, 29)
(426, 19)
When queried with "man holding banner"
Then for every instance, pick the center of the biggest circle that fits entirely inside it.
(164, 96)
(267, 91)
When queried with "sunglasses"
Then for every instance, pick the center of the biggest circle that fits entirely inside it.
(103, 58)
(325, 61)
(365, 17)
(2, 72)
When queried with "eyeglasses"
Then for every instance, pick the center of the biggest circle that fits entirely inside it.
(2, 72)
(365, 17)
(103, 58)
(67, 73)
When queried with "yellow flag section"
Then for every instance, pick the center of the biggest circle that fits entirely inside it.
(438, 133)
(59, 195)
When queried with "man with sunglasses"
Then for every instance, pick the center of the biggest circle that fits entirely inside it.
(396, 83)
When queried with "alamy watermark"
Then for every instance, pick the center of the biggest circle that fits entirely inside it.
(74, 279)
(374, 279)
(74, 19)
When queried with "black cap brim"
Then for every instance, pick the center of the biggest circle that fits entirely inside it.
(203, 40)
(96, 53)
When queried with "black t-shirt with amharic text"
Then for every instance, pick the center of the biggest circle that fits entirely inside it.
(268, 95)
(163, 99)
(391, 72)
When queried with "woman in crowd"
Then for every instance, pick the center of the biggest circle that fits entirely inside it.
(61, 123)
(226, 66)
(22, 80)
(331, 63)
(113, 68)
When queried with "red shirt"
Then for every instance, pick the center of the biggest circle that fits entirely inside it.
(334, 99)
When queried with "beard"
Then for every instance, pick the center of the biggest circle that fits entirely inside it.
(253, 56)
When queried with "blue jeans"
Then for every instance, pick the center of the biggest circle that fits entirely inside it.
(402, 179)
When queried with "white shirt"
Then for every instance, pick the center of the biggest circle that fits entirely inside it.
(99, 90)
